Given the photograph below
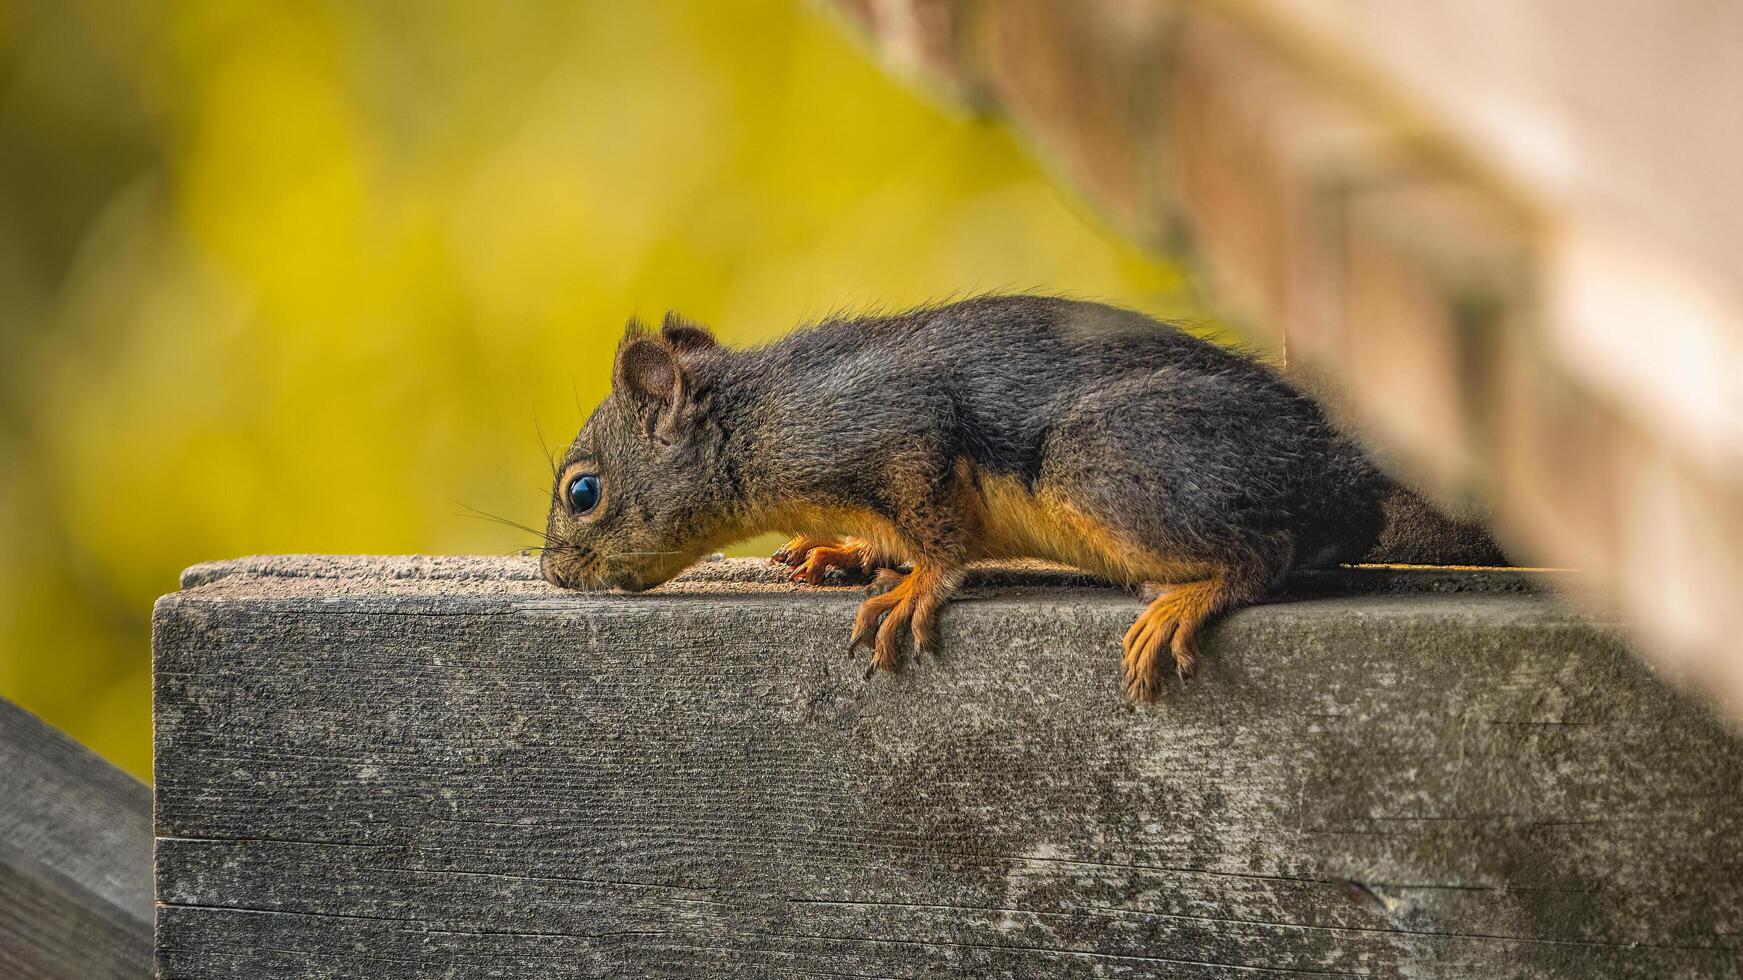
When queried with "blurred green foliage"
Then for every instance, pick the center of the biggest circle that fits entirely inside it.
(302, 276)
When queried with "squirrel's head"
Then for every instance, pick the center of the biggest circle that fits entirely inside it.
(642, 492)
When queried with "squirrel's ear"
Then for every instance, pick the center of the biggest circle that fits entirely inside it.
(649, 376)
(686, 335)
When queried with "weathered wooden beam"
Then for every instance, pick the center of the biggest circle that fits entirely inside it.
(75, 859)
(414, 767)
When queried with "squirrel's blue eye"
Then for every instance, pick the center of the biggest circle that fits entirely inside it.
(583, 493)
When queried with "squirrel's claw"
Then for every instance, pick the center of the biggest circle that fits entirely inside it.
(907, 608)
(812, 559)
(864, 629)
(885, 580)
(1143, 645)
(815, 568)
(795, 551)
(1143, 656)
(881, 629)
(880, 624)
(1168, 625)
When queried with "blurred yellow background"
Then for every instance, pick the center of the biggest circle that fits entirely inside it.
(281, 277)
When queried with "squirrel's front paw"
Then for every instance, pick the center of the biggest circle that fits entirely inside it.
(848, 557)
(794, 552)
(908, 606)
(813, 558)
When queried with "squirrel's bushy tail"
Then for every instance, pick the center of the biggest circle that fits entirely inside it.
(1415, 532)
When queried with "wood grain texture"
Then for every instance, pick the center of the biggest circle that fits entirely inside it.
(416, 767)
(75, 859)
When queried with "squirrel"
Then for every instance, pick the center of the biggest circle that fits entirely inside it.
(998, 427)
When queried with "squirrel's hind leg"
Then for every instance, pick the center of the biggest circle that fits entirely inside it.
(1170, 625)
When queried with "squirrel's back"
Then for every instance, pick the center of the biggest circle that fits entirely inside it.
(999, 375)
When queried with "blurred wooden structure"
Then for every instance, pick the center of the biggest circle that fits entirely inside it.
(75, 859)
(1504, 234)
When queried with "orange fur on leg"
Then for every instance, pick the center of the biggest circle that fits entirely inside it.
(912, 605)
(1171, 623)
